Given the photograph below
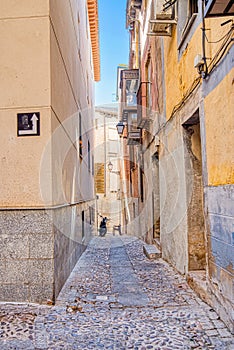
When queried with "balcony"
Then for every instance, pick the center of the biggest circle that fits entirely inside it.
(219, 8)
(134, 134)
(129, 86)
(142, 105)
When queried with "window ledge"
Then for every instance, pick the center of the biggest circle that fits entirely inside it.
(187, 29)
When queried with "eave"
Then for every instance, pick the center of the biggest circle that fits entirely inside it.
(217, 8)
(94, 34)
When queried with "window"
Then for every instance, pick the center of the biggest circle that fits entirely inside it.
(141, 186)
(132, 121)
(89, 157)
(131, 90)
(92, 164)
(83, 223)
(187, 14)
(148, 85)
(80, 136)
(91, 215)
(192, 7)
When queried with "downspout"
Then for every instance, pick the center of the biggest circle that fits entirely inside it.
(124, 181)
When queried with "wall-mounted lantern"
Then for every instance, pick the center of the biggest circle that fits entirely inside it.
(110, 168)
(120, 128)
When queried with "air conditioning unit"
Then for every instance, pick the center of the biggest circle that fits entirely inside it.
(162, 19)
(161, 12)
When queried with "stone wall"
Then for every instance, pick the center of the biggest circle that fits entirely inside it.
(38, 249)
(26, 255)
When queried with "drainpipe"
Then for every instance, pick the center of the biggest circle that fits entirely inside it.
(124, 181)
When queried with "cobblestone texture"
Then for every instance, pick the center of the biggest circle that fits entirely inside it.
(116, 298)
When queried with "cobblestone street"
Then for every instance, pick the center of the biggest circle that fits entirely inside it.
(116, 298)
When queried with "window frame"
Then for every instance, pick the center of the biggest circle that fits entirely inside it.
(80, 137)
(188, 12)
(89, 157)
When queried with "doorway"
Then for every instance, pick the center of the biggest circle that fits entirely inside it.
(195, 212)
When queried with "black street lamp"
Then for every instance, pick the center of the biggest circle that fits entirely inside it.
(110, 168)
(120, 128)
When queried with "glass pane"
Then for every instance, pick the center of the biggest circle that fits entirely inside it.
(131, 90)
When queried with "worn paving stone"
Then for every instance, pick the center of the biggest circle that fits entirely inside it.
(116, 298)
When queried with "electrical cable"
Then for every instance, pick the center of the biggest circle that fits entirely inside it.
(187, 95)
(221, 56)
(205, 68)
(221, 51)
(223, 37)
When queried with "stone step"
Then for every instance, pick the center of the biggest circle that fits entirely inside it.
(197, 281)
(151, 251)
(157, 243)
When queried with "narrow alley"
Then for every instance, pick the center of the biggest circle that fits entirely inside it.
(116, 298)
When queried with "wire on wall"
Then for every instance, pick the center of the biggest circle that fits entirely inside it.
(227, 41)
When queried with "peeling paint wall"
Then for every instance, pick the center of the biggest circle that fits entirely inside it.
(219, 112)
(196, 171)
(218, 93)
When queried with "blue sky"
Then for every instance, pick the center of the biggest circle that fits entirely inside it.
(114, 43)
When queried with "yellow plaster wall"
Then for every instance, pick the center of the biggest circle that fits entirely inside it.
(214, 33)
(20, 161)
(45, 64)
(179, 72)
(23, 8)
(219, 119)
(171, 67)
(24, 87)
(24, 62)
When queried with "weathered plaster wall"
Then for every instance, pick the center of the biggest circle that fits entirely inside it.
(219, 178)
(216, 105)
(179, 71)
(173, 198)
(220, 209)
(219, 126)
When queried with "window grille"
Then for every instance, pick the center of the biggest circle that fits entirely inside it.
(168, 3)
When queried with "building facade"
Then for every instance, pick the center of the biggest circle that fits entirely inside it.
(107, 160)
(49, 62)
(183, 151)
